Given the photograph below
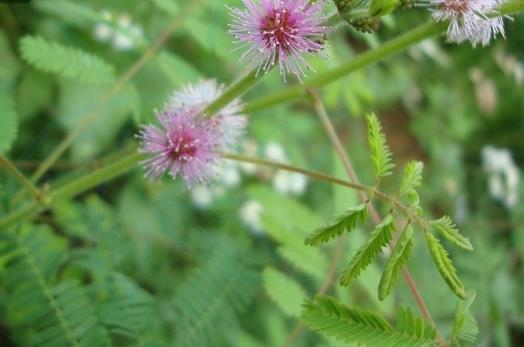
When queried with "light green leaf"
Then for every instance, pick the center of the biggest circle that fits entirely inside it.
(412, 177)
(397, 260)
(444, 265)
(449, 230)
(8, 122)
(371, 249)
(346, 221)
(65, 61)
(329, 317)
(465, 326)
(284, 291)
(380, 152)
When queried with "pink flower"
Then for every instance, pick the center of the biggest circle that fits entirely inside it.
(187, 142)
(476, 21)
(230, 122)
(280, 31)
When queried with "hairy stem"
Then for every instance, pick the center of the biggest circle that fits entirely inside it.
(346, 162)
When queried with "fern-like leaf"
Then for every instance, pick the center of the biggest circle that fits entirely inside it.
(57, 315)
(410, 324)
(329, 317)
(209, 301)
(465, 326)
(444, 265)
(412, 176)
(449, 230)
(397, 260)
(346, 221)
(65, 61)
(365, 254)
(380, 152)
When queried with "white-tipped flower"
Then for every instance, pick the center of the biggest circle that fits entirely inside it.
(477, 21)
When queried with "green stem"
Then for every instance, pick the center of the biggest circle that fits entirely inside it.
(388, 49)
(372, 56)
(233, 91)
(72, 189)
(22, 179)
(122, 166)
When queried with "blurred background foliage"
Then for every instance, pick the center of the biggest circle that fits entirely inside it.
(153, 264)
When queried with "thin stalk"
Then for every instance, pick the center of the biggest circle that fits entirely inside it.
(22, 179)
(126, 163)
(388, 49)
(348, 165)
(72, 189)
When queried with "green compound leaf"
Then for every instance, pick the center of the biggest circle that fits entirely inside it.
(412, 177)
(326, 315)
(8, 122)
(380, 152)
(465, 327)
(410, 324)
(65, 61)
(346, 221)
(445, 266)
(397, 260)
(369, 251)
(449, 230)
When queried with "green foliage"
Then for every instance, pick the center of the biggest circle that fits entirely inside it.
(378, 239)
(347, 221)
(65, 61)
(448, 229)
(380, 152)
(397, 260)
(465, 327)
(284, 291)
(8, 122)
(328, 316)
(444, 265)
(58, 314)
(411, 180)
(208, 301)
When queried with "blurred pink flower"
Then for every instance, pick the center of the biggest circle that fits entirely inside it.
(187, 142)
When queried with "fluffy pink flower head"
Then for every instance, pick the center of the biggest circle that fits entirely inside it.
(229, 122)
(183, 144)
(280, 31)
(470, 20)
(186, 142)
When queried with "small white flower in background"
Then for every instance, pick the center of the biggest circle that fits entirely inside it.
(121, 31)
(250, 214)
(230, 174)
(283, 181)
(202, 196)
(476, 21)
(275, 152)
(503, 175)
(289, 183)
